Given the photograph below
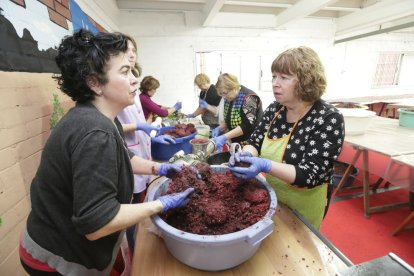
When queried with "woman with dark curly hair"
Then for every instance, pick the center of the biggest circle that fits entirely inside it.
(299, 138)
(82, 190)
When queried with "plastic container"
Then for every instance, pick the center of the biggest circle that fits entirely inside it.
(215, 252)
(199, 144)
(357, 120)
(336, 178)
(406, 117)
(163, 152)
(203, 131)
(194, 121)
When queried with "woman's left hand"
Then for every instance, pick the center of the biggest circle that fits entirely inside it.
(220, 141)
(236, 157)
(257, 165)
(167, 168)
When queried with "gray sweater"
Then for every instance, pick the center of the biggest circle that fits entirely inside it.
(84, 175)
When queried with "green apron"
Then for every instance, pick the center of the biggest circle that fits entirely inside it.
(310, 203)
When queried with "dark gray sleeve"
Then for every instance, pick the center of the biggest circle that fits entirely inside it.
(95, 167)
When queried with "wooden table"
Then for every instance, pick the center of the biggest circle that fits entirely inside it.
(384, 140)
(292, 249)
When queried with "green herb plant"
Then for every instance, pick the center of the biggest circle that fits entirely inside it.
(58, 111)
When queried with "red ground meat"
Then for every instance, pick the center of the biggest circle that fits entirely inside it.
(199, 141)
(221, 202)
(181, 130)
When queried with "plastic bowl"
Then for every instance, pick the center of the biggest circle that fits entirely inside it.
(357, 120)
(203, 131)
(406, 117)
(215, 252)
(194, 121)
(165, 152)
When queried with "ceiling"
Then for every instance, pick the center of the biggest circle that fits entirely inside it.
(353, 18)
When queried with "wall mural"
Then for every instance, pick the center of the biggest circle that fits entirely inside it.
(30, 32)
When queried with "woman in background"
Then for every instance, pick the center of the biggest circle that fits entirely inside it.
(242, 111)
(148, 88)
(81, 193)
(137, 136)
(299, 138)
(208, 102)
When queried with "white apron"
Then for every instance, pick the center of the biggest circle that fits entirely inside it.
(138, 141)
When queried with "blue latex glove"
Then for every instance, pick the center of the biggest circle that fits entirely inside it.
(215, 132)
(220, 141)
(191, 115)
(147, 128)
(178, 105)
(202, 103)
(175, 200)
(163, 139)
(257, 165)
(165, 167)
(236, 157)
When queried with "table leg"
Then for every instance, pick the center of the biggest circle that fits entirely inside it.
(403, 224)
(346, 173)
(365, 183)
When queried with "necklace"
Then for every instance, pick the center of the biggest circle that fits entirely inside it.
(120, 136)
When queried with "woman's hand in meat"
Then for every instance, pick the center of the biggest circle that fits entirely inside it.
(175, 200)
(167, 169)
(257, 165)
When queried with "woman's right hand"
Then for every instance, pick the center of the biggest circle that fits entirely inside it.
(178, 105)
(257, 165)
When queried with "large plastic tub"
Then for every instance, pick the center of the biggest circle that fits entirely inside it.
(215, 252)
(357, 120)
(165, 152)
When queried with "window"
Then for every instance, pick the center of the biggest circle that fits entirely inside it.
(387, 69)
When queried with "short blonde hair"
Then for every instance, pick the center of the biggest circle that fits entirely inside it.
(201, 79)
(149, 83)
(228, 81)
(305, 63)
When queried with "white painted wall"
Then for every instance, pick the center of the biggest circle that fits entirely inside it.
(168, 42)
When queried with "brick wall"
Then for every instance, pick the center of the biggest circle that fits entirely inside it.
(25, 110)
